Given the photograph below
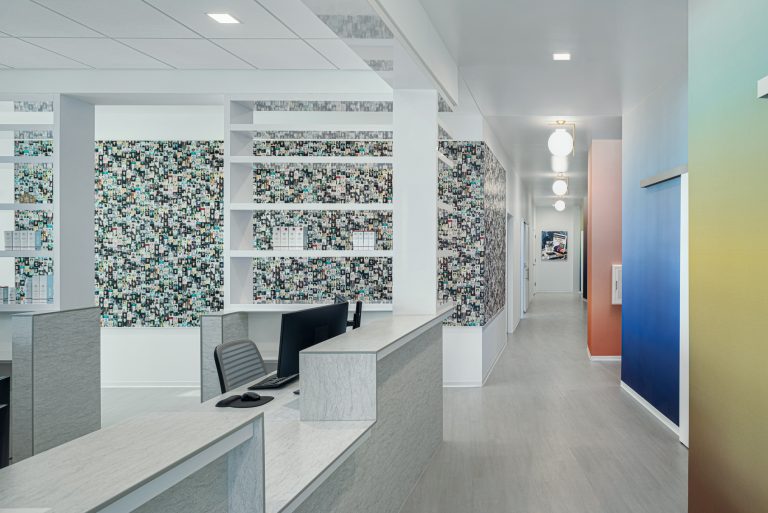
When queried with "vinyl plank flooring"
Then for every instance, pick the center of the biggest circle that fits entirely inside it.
(552, 432)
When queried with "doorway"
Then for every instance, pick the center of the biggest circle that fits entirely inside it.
(525, 275)
(510, 277)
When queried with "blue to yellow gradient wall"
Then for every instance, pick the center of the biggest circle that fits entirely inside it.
(728, 144)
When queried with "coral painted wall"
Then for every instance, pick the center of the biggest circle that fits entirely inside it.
(603, 247)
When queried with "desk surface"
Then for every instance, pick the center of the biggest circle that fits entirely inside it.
(97, 469)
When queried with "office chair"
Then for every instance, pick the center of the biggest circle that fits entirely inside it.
(357, 317)
(238, 363)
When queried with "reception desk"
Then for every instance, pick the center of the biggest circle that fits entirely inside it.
(367, 422)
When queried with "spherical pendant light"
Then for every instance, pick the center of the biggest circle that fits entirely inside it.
(560, 142)
(559, 164)
(559, 205)
(560, 187)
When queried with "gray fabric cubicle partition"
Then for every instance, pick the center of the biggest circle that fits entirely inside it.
(56, 380)
(215, 329)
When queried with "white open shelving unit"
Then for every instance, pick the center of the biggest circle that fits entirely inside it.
(72, 254)
(244, 124)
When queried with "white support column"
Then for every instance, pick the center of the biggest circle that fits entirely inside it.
(415, 201)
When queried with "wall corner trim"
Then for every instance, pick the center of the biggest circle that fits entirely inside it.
(664, 176)
(612, 358)
(648, 406)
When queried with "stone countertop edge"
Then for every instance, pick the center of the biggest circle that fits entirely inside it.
(384, 336)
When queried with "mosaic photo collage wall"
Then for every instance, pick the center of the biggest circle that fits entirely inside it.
(474, 275)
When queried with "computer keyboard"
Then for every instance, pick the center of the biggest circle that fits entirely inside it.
(273, 382)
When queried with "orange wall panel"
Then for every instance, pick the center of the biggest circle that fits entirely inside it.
(603, 247)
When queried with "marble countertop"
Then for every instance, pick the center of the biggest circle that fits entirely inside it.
(101, 467)
(383, 336)
(298, 455)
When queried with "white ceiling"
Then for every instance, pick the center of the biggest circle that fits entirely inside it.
(167, 34)
(621, 51)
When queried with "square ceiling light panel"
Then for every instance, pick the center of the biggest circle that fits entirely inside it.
(99, 53)
(188, 53)
(341, 55)
(255, 21)
(277, 53)
(121, 18)
(299, 18)
(16, 53)
(23, 18)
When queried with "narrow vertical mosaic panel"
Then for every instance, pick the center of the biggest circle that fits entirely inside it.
(473, 273)
(495, 219)
(159, 224)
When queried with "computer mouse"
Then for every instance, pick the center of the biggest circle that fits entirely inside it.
(250, 396)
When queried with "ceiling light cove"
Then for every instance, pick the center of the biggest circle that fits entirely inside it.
(561, 56)
(222, 17)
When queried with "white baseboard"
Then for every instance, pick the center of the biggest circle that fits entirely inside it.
(603, 358)
(648, 406)
(493, 365)
(462, 384)
(150, 384)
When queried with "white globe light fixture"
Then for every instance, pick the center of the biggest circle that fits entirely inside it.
(559, 164)
(560, 142)
(559, 205)
(560, 187)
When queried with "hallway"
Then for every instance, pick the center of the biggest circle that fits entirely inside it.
(552, 432)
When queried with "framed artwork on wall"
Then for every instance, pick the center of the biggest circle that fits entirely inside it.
(554, 245)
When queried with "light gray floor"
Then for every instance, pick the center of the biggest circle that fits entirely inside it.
(119, 404)
(552, 432)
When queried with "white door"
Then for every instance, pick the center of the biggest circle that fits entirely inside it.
(510, 278)
(525, 273)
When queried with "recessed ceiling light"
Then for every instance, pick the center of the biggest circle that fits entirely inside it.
(222, 17)
(561, 56)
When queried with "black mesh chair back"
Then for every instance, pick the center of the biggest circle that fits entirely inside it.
(238, 363)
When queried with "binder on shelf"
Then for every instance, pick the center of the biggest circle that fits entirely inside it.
(8, 240)
(49, 289)
(17, 242)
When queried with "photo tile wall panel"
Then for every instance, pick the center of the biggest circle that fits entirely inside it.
(365, 135)
(495, 219)
(322, 183)
(33, 181)
(323, 105)
(34, 220)
(473, 275)
(326, 230)
(318, 280)
(159, 224)
(328, 148)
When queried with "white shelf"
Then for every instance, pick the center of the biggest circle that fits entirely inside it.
(22, 253)
(292, 307)
(25, 126)
(444, 253)
(310, 206)
(342, 125)
(26, 206)
(25, 159)
(309, 253)
(442, 205)
(20, 308)
(445, 160)
(253, 159)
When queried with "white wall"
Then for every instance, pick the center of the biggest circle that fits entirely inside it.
(557, 276)
(154, 356)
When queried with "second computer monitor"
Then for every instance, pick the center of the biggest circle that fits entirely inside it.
(305, 328)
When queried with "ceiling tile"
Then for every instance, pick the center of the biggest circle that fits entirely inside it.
(254, 20)
(19, 54)
(123, 18)
(277, 53)
(100, 53)
(336, 51)
(23, 18)
(299, 18)
(188, 53)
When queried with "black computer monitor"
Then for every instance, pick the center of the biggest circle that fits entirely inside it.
(305, 328)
